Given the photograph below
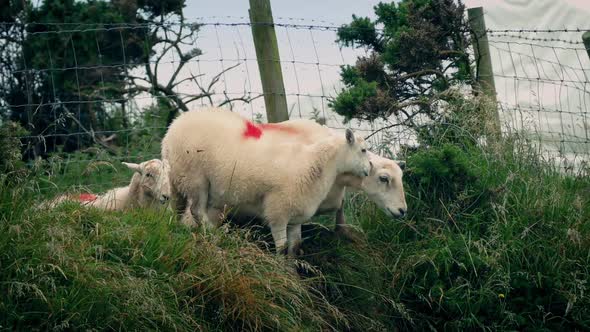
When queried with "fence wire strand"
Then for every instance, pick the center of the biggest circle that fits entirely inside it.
(541, 79)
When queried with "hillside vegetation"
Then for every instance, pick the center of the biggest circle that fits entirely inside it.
(494, 239)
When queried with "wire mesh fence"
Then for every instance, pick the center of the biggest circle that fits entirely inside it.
(542, 83)
(91, 86)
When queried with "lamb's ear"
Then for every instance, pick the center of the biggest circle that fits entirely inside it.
(401, 164)
(134, 167)
(349, 136)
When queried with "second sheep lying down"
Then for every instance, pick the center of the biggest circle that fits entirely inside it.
(149, 186)
(218, 157)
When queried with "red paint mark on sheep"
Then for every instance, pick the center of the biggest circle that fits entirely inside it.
(280, 127)
(252, 131)
(256, 131)
(87, 197)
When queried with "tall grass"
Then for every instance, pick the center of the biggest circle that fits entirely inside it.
(507, 249)
(75, 268)
(495, 239)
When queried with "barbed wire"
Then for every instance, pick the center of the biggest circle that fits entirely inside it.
(577, 30)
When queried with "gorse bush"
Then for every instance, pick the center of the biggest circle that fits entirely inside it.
(417, 50)
(441, 173)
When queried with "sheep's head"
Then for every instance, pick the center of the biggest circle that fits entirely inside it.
(356, 159)
(384, 185)
(154, 178)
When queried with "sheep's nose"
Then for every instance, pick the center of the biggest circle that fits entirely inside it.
(366, 173)
(165, 198)
(402, 212)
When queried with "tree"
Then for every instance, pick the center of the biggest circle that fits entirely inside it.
(70, 70)
(417, 51)
(11, 36)
(173, 37)
(68, 67)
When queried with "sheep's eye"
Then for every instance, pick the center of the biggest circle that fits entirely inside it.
(384, 179)
(149, 175)
(364, 150)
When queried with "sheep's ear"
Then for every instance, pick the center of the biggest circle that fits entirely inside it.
(401, 164)
(134, 167)
(349, 136)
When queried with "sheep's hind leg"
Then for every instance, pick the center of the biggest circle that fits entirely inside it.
(199, 208)
(293, 239)
(279, 235)
(277, 219)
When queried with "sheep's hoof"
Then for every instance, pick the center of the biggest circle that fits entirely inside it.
(348, 233)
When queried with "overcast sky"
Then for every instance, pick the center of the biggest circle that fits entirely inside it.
(337, 11)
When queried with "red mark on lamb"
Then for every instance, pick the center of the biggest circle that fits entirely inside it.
(255, 131)
(87, 197)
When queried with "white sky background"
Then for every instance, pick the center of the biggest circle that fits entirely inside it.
(306, 77)
(539, 99)
(303, 77)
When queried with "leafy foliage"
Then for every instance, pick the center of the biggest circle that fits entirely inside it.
(70, 74)
(419, 52)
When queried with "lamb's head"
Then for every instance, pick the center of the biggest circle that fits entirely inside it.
(384, 185)
(154, 179)
(355, 159)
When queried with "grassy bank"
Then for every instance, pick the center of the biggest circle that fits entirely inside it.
(494, 240)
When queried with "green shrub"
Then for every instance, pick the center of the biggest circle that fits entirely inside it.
(495, 240)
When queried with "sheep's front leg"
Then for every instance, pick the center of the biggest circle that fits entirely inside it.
(343, 230)
(293, 239)
(340, 220)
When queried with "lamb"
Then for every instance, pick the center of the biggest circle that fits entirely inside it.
(383, 185)
(148, 187)
(218, 157)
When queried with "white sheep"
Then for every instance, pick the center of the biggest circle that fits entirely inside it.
(149, 186)
(218, 157)
(383, 185)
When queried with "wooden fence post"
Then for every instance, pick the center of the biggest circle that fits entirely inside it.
(586, 40)
(483, 60)
(269, 64)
